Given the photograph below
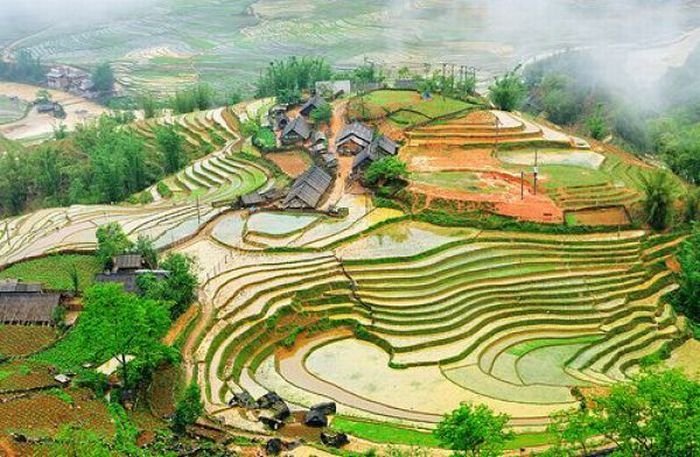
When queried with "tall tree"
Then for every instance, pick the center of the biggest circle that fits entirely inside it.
(687, 298)
(658, 203)
(111, 241)
(474, 431)
(170, 144)
(508, 91)
(188, 408)
(103, 77)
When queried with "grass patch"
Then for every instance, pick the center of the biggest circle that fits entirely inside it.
(393, 434)
(529, 346)
(54, 271)
(384, 433)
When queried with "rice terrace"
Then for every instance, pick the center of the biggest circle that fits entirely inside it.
(294, 233)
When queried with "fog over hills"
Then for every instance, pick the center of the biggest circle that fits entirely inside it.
(643, 37)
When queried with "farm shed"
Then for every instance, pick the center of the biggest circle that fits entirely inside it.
(311, 104)
(127, 262)
(9, 286)
(296, 131)
(354, 138)
(319, 137)
(329, 160)
(251, 199)
(308, 189)
(28, 307)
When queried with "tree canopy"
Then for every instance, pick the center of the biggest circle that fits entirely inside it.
(179, 289)
(474, 431)
(111, 241)
(508, 91)
(658, 203)
(687, 298)
(103, 78)
(287, 78)
(385, 170)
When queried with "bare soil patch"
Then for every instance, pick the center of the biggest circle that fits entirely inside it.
(293, 163)
(23, 340)
(604, 216)
(19, 375)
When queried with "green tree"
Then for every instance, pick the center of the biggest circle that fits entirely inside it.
(118, 324)
(148, 104)
(43, 96)
(178, 289)
(474, 431)
(687, 298)
(385, 170)
(111, 241)
(146, 249)
(658, 203)
(597, 124)
(287, 78)
(170, 144)
(188, 409)
(508, 91)
(103, 77)
(655, 415)
(322, 114)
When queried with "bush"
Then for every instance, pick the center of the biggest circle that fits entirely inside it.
(164, 190)
(188, 408)
(265, 139)
(508, 91)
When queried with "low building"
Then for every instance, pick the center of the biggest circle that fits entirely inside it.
(26, 303)
(333, 89)
(126, 269)
(57, 78)
(308, 189)
(69, 79)
(354, 138)
(379, 148)
(330, 160)
(296, 131)
(311, 104)
(251, 199)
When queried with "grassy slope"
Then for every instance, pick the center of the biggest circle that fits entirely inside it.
(53, 271)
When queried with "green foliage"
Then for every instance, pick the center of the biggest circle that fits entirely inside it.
(114, 324)
(597, 124)
(145, 247)
(111, 241)
(655, 415)
(687, 298)
(474, 431)
(286, 79)
(386, 170)
(61, 395)
(126, 432)
(103, 77)
(322, 114)
(658, 202)
(171, 146)
(508, 91)
(25, 68)
(384, 433)
(265, 139)
(148, 104)
(178, 289)
(164, 190)
(79, 441)
(250, 128)
(189, 407)
(196, 98)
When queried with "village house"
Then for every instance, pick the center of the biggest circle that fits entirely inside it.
(296, 131)
(26, 303)
(353, 139)
(69, 79)
(277, 117)
(380, 147)
(125, 270)
(319, 143)
(311, 104)
(308, 189)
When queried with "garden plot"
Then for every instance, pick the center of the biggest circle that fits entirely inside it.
(279, 224)
(12, 109)
(578, 158)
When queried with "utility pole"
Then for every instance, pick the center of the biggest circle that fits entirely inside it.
(522, 185)
(535, 180)
(199, 216)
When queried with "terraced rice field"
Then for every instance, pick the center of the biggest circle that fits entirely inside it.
(511, 320)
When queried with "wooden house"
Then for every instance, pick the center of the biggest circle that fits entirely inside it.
(296, 131)
(311, 104)
(354, 138)
(308, 189)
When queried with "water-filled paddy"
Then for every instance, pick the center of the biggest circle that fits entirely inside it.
(279, 223)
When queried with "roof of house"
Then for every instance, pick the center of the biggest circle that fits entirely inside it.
(329, 159)
(362, 157)
(298, 126)
(17, 286)
(355, 130)
(28, 307)
(309, 187)
(252, 199)
(318, 148)
(318, 135)
(314, 102)
(127, 262)
(387, 145)
(56, 73)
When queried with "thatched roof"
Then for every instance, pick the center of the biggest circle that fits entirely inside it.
(127, 262)
(28, 307)
(16, 286)
(308, 189)
(298, 126)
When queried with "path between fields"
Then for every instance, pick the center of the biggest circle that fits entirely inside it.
(180, 324)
